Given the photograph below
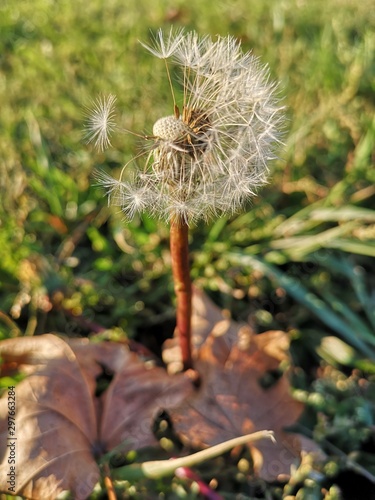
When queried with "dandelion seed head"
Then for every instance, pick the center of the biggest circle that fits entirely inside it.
(212, 155)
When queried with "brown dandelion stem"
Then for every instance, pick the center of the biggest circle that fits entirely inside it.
(179, 243)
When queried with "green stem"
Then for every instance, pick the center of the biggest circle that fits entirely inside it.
(179, 243)
(161, 468)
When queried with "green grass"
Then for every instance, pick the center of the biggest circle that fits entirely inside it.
(300, 259)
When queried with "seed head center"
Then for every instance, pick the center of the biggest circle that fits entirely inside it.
(170, 128)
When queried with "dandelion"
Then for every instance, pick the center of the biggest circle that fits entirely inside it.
(210, 156)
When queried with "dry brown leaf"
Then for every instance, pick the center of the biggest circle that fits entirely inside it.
(61, 426)
(231, 402)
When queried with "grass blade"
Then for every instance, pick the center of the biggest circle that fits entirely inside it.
(307, 298)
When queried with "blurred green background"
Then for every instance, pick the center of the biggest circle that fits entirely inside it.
(301, 259)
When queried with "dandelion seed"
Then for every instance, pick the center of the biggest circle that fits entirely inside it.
(101, 122)
(164, 45)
